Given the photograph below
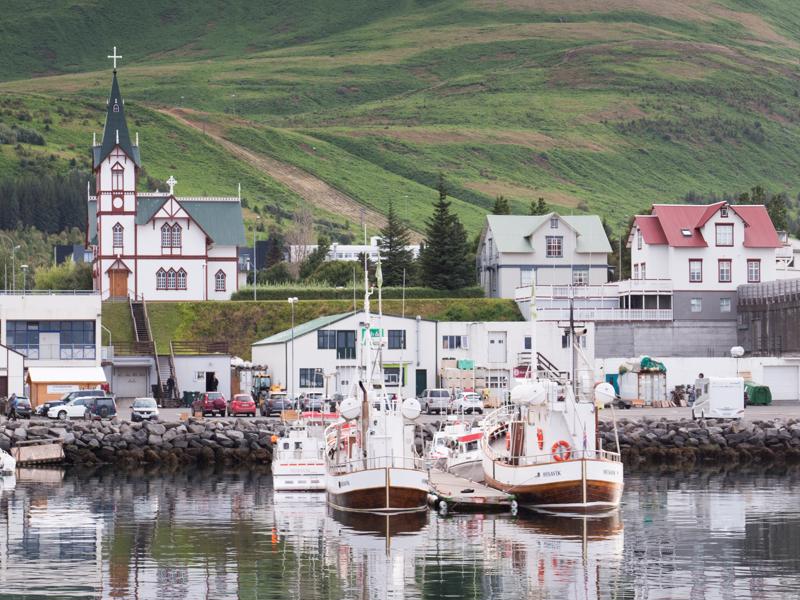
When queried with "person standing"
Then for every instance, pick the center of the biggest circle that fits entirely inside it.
(170, 387)
(12, 407)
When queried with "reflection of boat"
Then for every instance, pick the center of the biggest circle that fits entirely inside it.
(8, 463)
(456, 448)
(381, 525)
(371, 462)
(298, 462)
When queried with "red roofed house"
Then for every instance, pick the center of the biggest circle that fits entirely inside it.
(706, 252)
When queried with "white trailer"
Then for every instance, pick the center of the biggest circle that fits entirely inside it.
(719, 398)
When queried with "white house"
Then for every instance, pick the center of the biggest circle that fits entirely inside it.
(705, 252)
(156, 245)
(552, 250)
(325, 352)
(347, 252)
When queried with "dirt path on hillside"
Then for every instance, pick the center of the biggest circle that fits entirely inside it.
(303, 183)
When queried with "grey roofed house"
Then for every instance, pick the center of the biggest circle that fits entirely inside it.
(549, 249)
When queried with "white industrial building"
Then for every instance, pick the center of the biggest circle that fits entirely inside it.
(326, 351)
(347, 252)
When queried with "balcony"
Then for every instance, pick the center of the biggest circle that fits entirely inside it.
(645, 286)
(546, 292)
(605, 314)
(56, 351)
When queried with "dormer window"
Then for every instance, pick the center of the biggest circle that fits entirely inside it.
(117, 178)
(176, 236)
(686, 232)
(723, 212)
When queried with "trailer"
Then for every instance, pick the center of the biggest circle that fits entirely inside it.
(719, 398)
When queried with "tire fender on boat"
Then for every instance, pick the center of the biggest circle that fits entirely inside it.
(561, 451)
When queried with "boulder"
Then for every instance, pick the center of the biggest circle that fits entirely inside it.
(20, 433)
(154, 440)
(155, 428)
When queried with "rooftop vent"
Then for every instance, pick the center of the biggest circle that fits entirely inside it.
(686, 232)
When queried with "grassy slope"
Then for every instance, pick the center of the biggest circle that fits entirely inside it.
(246, 322)
(611, 103)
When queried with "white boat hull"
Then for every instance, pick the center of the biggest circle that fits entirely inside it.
(299, 476)
(380, 490)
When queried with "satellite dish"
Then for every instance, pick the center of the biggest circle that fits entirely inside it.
(350, 408)
(528, 393)
(737, 352)
(605, 393)
(411, 408)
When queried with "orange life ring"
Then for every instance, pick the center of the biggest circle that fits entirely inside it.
(561, 451)
(540, 437)
(508, 441)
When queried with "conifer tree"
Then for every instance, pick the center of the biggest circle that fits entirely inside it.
(501, 206)
(539, 208)
(445, 260)
(395, 255)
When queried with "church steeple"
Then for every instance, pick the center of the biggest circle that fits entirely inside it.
(115, 132)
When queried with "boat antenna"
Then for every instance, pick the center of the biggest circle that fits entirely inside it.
(534, 366)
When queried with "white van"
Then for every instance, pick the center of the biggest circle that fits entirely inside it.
(719, 398)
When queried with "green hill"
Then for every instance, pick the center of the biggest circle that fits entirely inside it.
(596, 105)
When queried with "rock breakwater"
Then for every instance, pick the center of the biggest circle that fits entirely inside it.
(246, 441)
(683, 441)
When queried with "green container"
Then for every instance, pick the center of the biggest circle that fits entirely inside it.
(757, 395)
(189, 398)
(466, 364)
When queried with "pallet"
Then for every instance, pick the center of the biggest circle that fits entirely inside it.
(459, 493)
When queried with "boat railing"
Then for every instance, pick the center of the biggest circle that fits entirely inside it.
(552, 458)
(378, 462)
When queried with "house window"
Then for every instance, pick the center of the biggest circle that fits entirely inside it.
(346, 344)
(636, 271)
(72, 340)
(642, 271)
(554, 246)
(580, 276)
(326, 340)
(695, 271)
(219, 281)
(176, 236)
(311, 378)
(391, 376)
(451, 342)
(580, 341)
(172, 278)
(638, 239)
(724, 234)
(397, 339)
(724, 305)
(553, 222)
(181, 279)
(117, 235)
(724, 270)
(166, 236)
(723, 212)
(525, 276)
(161, 279)
(528, 342)
(117, 179)
(753, 271)
(696, 305)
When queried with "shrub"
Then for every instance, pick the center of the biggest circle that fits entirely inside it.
(320, 292)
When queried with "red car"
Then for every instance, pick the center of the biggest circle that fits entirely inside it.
(209, 403)
(242, 404)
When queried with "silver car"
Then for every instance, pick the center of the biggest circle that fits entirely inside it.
(435, 400)
(467, 403)
(144, 409)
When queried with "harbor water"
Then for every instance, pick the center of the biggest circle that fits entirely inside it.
(226, 534)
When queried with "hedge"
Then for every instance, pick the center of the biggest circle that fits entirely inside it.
(317, 293)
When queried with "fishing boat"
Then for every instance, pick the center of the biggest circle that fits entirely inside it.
(544, 446)
(298, 456)
(456, 448)
(371, 462)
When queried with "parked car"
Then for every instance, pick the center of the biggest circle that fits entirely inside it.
(42, 409)
(622, 403)
(23, 407)
(435, 400)
(242, 404)
(101, 408)
(144, 409)
(77, 408)
(314, 402)
(467, 403)
(276, 403)
(209, 403)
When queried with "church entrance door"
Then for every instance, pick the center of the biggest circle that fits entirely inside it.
(118, 281)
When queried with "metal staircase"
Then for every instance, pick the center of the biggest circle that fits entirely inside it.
(165, 367)
(141, 327)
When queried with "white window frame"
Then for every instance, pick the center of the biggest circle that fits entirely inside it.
(220, 281)
(525, 276)
(180, 279)
(553, 244)
(696, 305)
(172, 280)
(580, 276)
(166, 236)
(727, 227)
(176, 238)
(553, 222)
(161, 279)
(753, 275)
(696, 276)
(723, 302)
(118, 235)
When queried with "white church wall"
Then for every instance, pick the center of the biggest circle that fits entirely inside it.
(148, 286)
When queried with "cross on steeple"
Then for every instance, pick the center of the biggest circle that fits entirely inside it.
(171, 183)
(114, 57)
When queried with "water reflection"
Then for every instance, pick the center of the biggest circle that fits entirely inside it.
(205, 534)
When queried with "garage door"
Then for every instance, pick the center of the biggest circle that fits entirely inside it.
(130, 382)
(783, 382)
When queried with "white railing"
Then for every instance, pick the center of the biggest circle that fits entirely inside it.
(376, 462)
(49, 292)
(605, 314)
(636, 286)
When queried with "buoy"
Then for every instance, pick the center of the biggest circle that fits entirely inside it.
(442, 507)
(274, 439)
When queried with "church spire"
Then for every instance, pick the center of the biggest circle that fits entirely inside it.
(115, 132)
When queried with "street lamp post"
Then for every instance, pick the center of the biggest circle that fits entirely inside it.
(255, 271)
(14, 268)
(24, 278)
(292, 301)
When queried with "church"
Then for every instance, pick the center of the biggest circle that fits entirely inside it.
(156, 245)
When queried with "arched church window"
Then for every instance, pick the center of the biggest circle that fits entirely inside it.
(171, 279)
(117, 235)
(161, 279)
(115, 108)
(181, 279)
(219, 281)
(166, 236)
(117, 178)
(176, 236)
